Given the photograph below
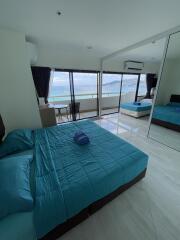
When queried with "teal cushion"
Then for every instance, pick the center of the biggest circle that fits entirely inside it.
(15, 193)
(17, 141)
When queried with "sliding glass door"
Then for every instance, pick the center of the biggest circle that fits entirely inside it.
(129, 87)
(118, 88)
(74, 95)
(142, 89)
(85, 94)
(60, 95)
(111, 84)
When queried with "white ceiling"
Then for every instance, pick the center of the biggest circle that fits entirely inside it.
(107, 25)
(152, 52)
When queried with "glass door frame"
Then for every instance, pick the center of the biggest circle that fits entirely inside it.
(115, 73)
(97, 88)
(120, 91)
(137, 86)
(72, 93)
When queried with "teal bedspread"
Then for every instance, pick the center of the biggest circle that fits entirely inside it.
(137, 108)
(11, 226)
(70, 177)
(167, 113)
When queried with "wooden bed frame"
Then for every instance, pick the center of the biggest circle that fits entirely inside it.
(85, 213)
(166, 124)
(175, 127)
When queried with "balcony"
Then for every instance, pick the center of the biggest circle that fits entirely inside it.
(89, 104)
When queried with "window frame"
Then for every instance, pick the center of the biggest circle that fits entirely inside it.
(71, 71)
(72, 92)
(139, 86)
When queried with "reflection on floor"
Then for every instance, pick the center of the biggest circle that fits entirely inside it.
(124, 125)
(166, 136)
(150, 210)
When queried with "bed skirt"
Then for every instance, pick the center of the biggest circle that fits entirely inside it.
(135, 114)
(168, 125)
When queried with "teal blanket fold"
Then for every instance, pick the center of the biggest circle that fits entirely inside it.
(69, 177)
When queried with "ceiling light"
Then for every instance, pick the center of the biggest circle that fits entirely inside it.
(58, 13)
(89, 47)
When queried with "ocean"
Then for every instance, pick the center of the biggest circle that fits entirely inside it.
(83, 91)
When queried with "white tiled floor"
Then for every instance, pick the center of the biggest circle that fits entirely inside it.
(172, 138)
(150, 210)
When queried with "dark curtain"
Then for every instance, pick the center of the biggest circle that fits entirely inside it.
(41, 77)
(2, 129)
(151, 81)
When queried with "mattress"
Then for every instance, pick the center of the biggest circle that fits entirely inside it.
(18, 226)
(137, 108)
(134, 113)
(167, 113)
(66, 170)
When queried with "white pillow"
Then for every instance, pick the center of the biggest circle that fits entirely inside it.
(146, 100)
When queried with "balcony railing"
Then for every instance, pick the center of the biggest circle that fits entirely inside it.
(82, 96)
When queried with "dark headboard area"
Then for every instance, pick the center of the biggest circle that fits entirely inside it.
(2, 129)
(175, 98)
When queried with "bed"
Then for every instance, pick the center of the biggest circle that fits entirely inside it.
(135, 110)
(168, 115)
(62, 170)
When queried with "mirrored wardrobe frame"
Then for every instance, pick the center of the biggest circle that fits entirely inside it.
(163, 35)
(158, 84)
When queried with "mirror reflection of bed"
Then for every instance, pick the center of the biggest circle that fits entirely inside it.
(141, 109)
(168, 115)
(165, 123)
(140, 67)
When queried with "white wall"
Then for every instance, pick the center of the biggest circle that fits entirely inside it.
(170, 81)
(118, 65)
(18, 105)
(175, 81)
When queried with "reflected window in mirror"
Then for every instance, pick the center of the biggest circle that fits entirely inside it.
(142, 86)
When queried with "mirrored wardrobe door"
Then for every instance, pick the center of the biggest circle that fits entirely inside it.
(165, 121)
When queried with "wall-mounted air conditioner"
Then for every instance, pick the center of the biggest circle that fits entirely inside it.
(133, 65)
(32, 53)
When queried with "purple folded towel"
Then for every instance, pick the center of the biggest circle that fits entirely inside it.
(81, 138)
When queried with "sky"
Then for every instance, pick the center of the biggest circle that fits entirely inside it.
(62, 78)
